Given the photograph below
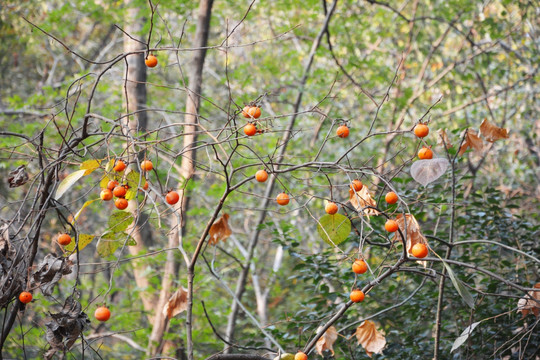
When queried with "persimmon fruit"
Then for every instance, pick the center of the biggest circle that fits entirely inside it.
(391, 226)
(331, 208)
(119, 191)
(261, 176)
(120, 166)
(357, 296)
(300, 356)
(64, 239)
(391, 197)
(419, 250)
(106, 195)
(359, 266)
(250, 129)
(121, 203)
(172, 197)
(342, 131)
(102, 313)
(147, 165)
(112, 184)
(151, 61)
(425, 153)
(421, 130)
(25, 297)
(356, 185)
(282, 199)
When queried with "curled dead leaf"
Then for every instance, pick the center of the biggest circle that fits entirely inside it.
(413, 234)
(530, 302)
(442, 139)
(17, 177)
(49, 271)
(177, 303)
(362, 199)
(326, 342)
(220, 230)
(372, 340)
(492, 132)
(471, 141)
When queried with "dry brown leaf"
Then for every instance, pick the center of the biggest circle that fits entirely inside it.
(492, 132)
(361, 199)
(413, 234)
(220, 230)
(442, 139)
(177, 303)
(527, 303)
(326, 342)
(471, 141)
(372, 341)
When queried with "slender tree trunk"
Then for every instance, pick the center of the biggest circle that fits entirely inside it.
(242, 279)
(186, 172)
(135, 100)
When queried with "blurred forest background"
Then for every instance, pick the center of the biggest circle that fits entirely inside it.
(69, 74)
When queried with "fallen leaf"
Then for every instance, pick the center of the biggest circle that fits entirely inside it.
(370, 338)
(177, 303)
(326, 341)
(527, 303)
(220, 230)
(413, 234)
(17, 177)
(427, 171)
(492, 132)
(471, 141)
(361, 199)
(442, 139)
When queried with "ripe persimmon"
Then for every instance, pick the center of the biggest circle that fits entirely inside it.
(255, 112)
(342, 131)
(282, 199)
(391, 197)
(64, 239)
(425, 153)
(106, 195)
(359, 266)
(357, 296)
(331, 208)
(151, 61)
(119, 191)
(356, 185)
(391, 226)
(121, 203)
(419, 250)
(421, 130)
(300, 356)
(172, 197)
(120, 166)
(112, 184)
(147, 165)
(145, 186)
(261, 176)
(102, 313)
(250, 129)
(245, 111)
(25, 297)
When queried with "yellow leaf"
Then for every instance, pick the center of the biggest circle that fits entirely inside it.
(361, 199)
(326, 342)
(177, 303)
(527, 303)
(90, 166)
(413, 234)
(220, 230)
(372, 341)
(471, 141)
(492, 132)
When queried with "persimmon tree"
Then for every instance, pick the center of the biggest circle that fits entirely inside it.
(251, 181)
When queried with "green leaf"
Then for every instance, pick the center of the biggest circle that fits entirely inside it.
(108, 244)
(68, 182)
(90, 166)
(119, 221)
(81, 209)
(84, 240)
(133, 178)
(464, 336)
(461, 289)
(334, 229)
